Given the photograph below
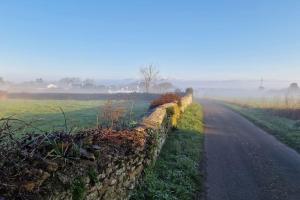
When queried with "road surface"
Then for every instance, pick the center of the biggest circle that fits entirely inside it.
(244, 162)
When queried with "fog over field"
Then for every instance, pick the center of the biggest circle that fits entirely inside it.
(133, 85)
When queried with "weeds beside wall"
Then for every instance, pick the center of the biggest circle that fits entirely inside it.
(176, 173)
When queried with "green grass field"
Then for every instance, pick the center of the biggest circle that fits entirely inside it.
(284, 129)
(176, 174)
(47, 115)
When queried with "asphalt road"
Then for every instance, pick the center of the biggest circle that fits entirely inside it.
(244, 162)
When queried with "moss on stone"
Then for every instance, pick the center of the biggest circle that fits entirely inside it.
(78, 189)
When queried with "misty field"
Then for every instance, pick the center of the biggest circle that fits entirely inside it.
(48, 115)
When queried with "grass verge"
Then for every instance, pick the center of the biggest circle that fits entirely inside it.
(176, 173)
(284, 129)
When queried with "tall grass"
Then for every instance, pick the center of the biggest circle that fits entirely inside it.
(278, 106)
(285, 129)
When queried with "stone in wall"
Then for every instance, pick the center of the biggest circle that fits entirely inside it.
(156, 117)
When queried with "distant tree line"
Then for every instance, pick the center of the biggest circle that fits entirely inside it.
(150, 82)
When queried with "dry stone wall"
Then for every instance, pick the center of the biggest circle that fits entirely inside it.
(156, 117)
(110, 173)
(122, 174)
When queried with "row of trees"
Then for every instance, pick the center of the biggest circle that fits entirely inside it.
(70, 81)
(149, 83)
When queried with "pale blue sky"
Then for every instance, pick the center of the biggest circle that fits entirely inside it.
(215, 39)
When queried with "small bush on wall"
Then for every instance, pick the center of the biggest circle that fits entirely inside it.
(189, 91)
(174, 112)
(165, 98)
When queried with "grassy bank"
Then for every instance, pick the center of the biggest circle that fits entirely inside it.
(176, 174)
(284, 129)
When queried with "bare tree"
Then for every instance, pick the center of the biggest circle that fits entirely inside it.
(149, 75)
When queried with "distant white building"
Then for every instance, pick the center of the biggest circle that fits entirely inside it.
(52, 86)
(120, 91)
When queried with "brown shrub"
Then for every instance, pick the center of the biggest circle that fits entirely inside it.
(3, 95)
(165, 98)
(111, 114)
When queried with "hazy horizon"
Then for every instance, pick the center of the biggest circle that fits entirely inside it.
(137, 78)
(30, 84)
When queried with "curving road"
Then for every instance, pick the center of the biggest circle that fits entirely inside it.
(243, 162)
